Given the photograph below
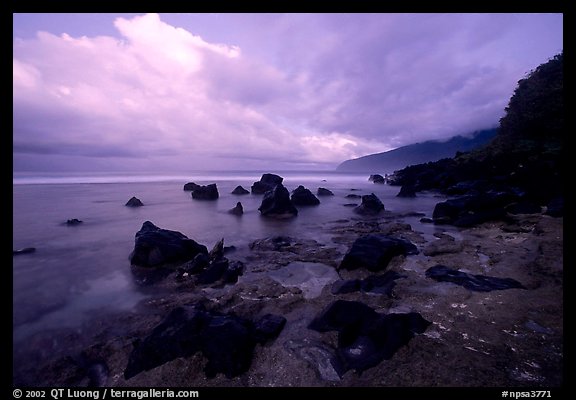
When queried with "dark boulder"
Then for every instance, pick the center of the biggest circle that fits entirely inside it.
(208, 192)
(155, 246)
(324, 192)
(476, 283)
(303, 197)
(237, 210)
(134, 202)
(371, 205)
(377, 178)
(240, 190)
(276, 203)
(73, 222)
(267, 182)
(375, 251)
(365, 337)
(190, 186)
(227, 341)
(407, 191)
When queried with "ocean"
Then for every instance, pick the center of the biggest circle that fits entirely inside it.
(80, 271)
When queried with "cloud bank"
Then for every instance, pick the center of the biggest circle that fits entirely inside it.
(322, 89)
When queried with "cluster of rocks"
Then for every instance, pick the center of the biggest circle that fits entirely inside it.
(278, 202)
(227, 341)
(486, 190)
(211, 268)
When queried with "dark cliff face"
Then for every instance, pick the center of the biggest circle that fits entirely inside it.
(526, 154)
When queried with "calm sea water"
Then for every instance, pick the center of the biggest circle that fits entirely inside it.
(77, 271)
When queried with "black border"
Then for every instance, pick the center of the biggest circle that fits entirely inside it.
(525, 6)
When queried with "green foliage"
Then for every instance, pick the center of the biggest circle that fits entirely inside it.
(536, 110)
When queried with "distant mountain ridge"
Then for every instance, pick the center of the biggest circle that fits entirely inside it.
(418, 153)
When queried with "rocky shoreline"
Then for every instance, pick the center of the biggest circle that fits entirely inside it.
(510, 337)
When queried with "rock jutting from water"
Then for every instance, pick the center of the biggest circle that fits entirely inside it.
(237, 210)
(371, 205)
(303, 197)
(277, 204)
(377, 178)
(134, 202)
(73, 222)
(239, 190)
(154, 247)
(266, 183)
(208, 192)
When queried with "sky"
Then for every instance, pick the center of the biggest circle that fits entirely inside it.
(188, 92)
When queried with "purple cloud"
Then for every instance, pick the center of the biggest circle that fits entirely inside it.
(287, 91)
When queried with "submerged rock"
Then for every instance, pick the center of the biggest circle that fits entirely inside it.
(208, 192)
(134, 202)
(477, 283)
(240, 190)
(276, 203)
(267, 182)
(324, 192)
(25, 250)
(375, 251)
(303, 197)
(377, 178)
(371, 205)
(155, 246)
(227, 341)
(365, 337)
